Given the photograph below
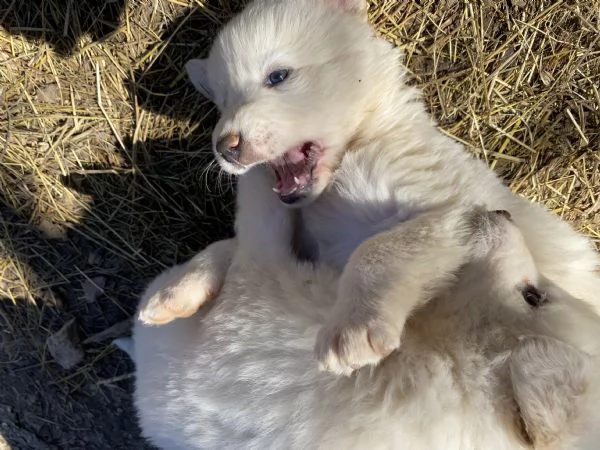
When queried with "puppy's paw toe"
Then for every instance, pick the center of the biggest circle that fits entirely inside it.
(344, 349)
(178, 300)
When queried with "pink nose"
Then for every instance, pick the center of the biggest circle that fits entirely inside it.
(229, 147)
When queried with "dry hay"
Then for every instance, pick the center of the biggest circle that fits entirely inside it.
(105, 174)
(518, 83)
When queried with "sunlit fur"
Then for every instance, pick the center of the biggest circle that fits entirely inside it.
(388, 160)
(477, 368)
(247, 377)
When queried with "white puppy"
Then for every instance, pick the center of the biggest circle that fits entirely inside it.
(305, 87)
(498, 358)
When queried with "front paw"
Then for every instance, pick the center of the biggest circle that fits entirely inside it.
(345, 346)
(178, 293)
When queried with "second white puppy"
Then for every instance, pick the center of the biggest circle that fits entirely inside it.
(497, 358)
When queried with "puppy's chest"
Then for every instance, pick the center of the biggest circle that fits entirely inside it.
(346, 216)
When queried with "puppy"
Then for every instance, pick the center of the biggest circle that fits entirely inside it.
(496, 356)
(307, 90)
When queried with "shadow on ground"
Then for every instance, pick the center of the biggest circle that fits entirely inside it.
(62, 23)
(94, 275)
(141, 219)
(162, 85)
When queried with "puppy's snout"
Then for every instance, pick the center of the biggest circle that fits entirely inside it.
(229, 147)
(533, 296)
(504, 213)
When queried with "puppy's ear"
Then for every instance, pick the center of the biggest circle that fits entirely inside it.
(358, 7)
(550, 381)
(196, 70)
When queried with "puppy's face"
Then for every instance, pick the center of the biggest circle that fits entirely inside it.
(291, 80)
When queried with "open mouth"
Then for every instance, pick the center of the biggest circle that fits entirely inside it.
(294, 172)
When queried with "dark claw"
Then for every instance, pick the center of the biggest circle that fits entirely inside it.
(503, 212)
(533, 296)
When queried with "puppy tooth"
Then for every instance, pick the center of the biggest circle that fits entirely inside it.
(277, 191)
(296, 180)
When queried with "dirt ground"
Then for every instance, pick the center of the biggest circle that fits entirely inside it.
(106, 175)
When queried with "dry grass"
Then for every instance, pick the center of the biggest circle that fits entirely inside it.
(518, 82)
(104, 146)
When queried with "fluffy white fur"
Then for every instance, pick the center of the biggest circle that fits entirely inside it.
(384, 160)
(246, 377)
(478, 367)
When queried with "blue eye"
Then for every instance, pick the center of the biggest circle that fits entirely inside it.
(276, 77)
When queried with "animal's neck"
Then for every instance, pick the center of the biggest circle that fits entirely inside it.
(355, 207)
(399, 111)
(391, 105)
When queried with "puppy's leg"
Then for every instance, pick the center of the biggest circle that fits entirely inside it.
(561, 254)
(264, 227)
(386, 278)
(264, 231)
(181, 290)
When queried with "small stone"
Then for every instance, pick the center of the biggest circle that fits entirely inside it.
(52, 230)
(64, 346)
(49, 93)
(94, 259)
(92, 288)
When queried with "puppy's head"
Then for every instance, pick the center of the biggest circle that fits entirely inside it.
(292, 80)
(501, 255)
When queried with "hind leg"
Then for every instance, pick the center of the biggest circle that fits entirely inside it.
(555, 388)
(561, 254)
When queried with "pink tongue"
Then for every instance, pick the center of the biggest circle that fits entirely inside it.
(285, 186)
(295, 156)
(291, 171)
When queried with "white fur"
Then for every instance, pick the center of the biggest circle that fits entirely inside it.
(242, 374)
(246, 378)
(188, 286)
(348, 91)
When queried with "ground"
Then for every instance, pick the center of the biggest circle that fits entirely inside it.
(106, 175)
